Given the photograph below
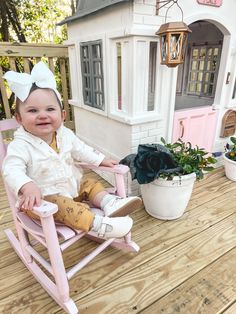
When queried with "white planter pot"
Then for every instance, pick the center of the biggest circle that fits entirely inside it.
(230, 168)
(168, 199)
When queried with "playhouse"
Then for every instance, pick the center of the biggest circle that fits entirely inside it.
(122, 95)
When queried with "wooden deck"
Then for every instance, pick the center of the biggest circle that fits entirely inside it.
(185, 266)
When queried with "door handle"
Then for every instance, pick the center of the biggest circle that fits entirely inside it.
(182, 128)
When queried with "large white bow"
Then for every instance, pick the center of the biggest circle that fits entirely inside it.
(21, 83)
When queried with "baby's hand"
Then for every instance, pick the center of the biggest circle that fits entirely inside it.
(109, 163)
(30, 195)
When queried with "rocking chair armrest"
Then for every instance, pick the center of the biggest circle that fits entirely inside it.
(46, 209)
(119, 169)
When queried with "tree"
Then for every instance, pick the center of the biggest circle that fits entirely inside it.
(34, 20)
(9, 19)
(73, 5)
(39, 19)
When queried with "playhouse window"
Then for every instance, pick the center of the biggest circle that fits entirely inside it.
(234, 90)
(92, 73)
(152, 75)
(119, 74)
(203, 68)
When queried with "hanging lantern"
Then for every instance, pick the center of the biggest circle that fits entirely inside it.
(173, 42)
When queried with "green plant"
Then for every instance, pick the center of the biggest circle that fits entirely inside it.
(231, 149)
(189, 159)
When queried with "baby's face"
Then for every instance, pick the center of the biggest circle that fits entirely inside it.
(41, 114)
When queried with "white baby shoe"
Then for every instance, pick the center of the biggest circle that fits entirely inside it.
(115, 206)
(117, 227)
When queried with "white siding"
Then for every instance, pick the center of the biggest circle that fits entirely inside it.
(134, 23)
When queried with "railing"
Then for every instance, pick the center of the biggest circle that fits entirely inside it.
(21, 57)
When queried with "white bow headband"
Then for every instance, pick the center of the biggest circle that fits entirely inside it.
(21, 83)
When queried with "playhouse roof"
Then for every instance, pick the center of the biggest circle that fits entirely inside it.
(86, 7)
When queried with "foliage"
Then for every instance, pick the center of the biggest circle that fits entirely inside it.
(231, 149)
(34, 21)
(39, 19)
(10, 21)
(189, 159)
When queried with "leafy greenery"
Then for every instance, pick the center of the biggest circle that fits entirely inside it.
(10, 21)
(189, 159)
(231, 149)
(39, 18)
(34, 21)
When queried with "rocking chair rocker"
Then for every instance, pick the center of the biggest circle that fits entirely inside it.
(48, 234)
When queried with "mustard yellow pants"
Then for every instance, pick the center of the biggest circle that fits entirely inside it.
(73, 212)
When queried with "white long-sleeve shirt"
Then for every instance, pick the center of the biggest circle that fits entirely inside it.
(29, 158)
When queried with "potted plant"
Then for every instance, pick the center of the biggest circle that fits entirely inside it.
(167, 195)
(230, 159)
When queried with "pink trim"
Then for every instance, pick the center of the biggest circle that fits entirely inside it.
(213, 3)
(8, 124)
(122, 169)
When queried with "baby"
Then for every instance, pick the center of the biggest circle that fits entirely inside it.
(40, 161)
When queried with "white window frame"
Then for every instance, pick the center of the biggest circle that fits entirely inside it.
(132, 114)
(92, 82)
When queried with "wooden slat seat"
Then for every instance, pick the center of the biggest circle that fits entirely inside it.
(35, 227)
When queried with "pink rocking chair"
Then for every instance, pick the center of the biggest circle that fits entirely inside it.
(48, 234)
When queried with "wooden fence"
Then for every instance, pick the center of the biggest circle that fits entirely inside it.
(21, 57)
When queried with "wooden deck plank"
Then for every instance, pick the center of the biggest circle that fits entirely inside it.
(97, 264)
(158, 279)
(230, 310)
(140, 287)
(173, 254)
(206, 292)
(151, 245)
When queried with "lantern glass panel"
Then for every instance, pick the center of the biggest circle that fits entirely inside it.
(164, 45)
(184, 45)
(174, 46)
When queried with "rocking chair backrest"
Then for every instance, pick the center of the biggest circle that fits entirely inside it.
(7, 125)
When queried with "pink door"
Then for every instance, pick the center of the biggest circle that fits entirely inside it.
(196, 125)
(194, 119)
